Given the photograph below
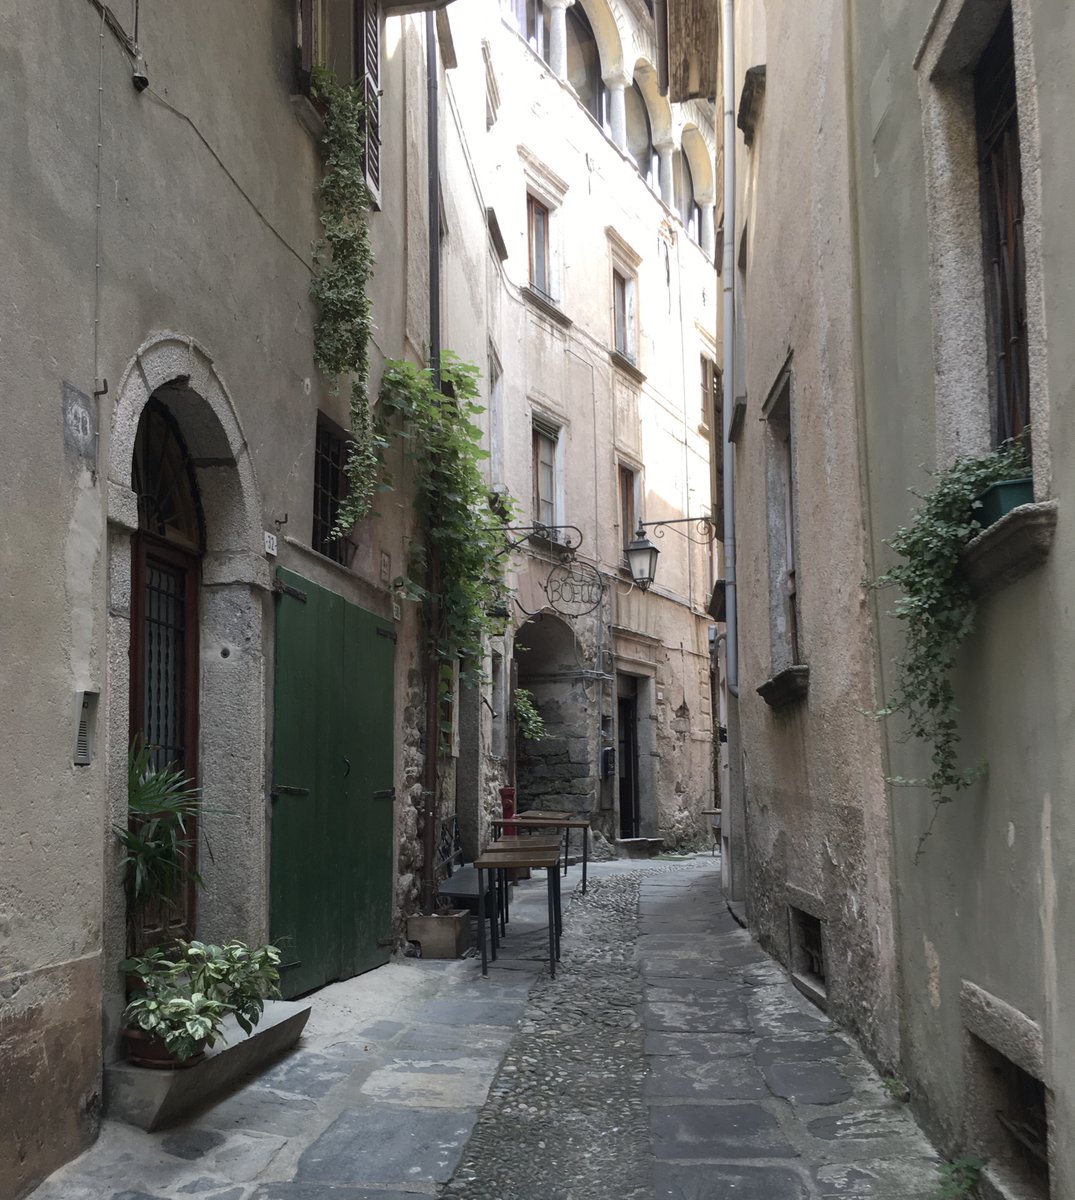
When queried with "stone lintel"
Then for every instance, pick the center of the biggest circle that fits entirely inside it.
(1003, 1027)
(786, 687)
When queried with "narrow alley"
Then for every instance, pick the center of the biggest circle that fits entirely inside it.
(670, 1058)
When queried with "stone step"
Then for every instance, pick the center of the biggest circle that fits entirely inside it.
(152, 1099)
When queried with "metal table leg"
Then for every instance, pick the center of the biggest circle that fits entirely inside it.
(502, 891)
(585, 856)
(481, 921)
(553, 874)
(559, 917)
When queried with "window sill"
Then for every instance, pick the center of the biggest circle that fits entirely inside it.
(546, 305)
(627, 366)
(1010, 548)
(786, 687)
(308, 115)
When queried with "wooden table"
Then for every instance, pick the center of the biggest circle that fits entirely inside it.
(540, 819)
(511, 845)
(501, 861)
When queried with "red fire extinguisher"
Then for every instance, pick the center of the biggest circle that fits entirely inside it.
(507, 804)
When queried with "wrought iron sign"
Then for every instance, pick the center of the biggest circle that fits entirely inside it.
(574, 588)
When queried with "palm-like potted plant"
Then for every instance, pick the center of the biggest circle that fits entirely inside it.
(158, 838)
(185, 993)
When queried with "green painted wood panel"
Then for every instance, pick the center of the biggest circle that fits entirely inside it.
(332, 861)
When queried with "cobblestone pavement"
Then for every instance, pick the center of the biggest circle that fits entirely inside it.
(670, 1058)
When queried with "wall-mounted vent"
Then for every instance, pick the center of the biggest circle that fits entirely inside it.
(85, 727)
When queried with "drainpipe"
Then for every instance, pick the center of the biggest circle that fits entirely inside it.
(429, 769)
(728, 280)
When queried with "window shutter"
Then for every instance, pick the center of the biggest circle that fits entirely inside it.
(368, 61)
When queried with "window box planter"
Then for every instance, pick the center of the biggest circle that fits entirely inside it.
(1000, 498)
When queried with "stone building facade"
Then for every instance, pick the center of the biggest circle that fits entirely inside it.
(599, 343)
(870, 351)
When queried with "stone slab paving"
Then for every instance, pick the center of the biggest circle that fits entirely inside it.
(671, 1059)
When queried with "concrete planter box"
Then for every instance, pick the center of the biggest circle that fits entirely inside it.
(441, 935)
(1000, 498)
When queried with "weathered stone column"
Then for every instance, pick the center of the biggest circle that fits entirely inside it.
(558, 36)
(664, 155)
(617, 109)
(705, 232)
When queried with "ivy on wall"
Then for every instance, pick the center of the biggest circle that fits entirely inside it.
(344, 267)
(937, 611)
(528, 719)
(467, 597)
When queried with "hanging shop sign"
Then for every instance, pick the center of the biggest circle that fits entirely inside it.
(574, 588)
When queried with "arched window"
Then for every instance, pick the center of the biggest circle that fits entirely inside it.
(639, 138)
(686, 205)
(531, 19)
(584, 66)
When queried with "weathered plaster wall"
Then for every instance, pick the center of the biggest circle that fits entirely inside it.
(207, 220)
(816, 809)
(988, 904)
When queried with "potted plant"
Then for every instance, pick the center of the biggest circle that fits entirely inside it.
(185, 993)
(998, 499)
(158, 837)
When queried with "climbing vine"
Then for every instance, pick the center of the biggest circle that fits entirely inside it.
(529, 721)
(937, 611)
(468, 593)
(344, 266)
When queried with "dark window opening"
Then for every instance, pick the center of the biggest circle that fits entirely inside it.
(1002, 230)
(628, 483)
(584, 67)
(330, 491)
(710, 393)
(619, 306)
(807, 948)
(1018, 1102)
(538, 233)
(639, 138)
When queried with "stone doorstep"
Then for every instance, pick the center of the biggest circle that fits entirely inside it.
(640, 847)
(152, 1099)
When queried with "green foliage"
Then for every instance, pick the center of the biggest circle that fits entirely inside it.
(527, 718)
(896, 1089)
(937, 610)
(344, 261)
(468, 595)
(186, 991)
(157, 839)
(959, 1178)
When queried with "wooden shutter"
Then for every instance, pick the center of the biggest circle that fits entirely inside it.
(368, 68)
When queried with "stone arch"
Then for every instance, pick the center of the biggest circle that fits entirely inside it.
(697, 154)
(199, 400)
(607, 35)
(235, 580)
(660, 111)
(561, 771)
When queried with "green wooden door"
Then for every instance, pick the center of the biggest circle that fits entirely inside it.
(331, 869)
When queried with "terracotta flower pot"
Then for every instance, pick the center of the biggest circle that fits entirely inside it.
(147, 1050)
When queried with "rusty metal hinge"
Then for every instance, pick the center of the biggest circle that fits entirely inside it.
(285, 589)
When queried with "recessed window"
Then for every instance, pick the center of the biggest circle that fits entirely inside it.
(584, 67)
(686, 205)
(1012, 1118)
(623, 314)
(545, 445)
(639, 137)
(330, 491)
(344, 36)
(531, 19)
(1002, 230)
(628, 503)
(780, 489)
(538, 232)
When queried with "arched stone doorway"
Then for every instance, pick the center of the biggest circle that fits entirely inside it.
(188, 585)
(562, 770)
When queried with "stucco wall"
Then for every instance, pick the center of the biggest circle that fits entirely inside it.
(816, 809)
(986, 902)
